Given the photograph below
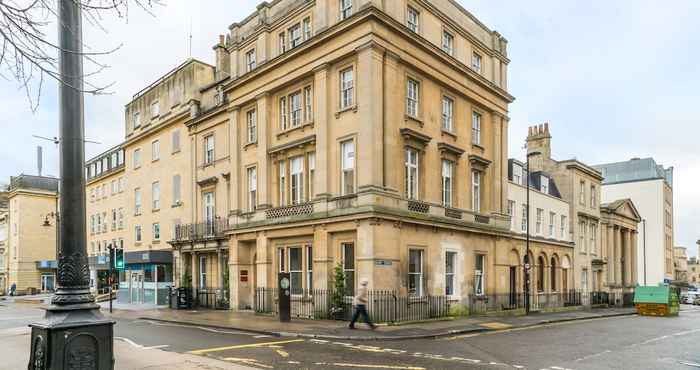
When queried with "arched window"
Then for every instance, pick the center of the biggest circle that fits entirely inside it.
(553, 274)
(540, 274)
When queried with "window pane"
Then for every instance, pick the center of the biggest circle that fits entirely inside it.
(349, 256)
(414, 261)
(295, 262)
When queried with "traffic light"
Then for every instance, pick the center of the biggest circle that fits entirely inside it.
(119, 259)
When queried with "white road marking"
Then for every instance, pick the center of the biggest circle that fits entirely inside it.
(211, 330)
(261, 336)
(157, 347)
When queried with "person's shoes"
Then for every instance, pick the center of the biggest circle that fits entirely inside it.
(351, 327)
(373, 327)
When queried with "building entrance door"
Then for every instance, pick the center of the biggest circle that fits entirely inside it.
(136, 291)
(513, 285)
(47, 282)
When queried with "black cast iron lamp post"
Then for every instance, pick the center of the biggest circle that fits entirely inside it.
(73, 333)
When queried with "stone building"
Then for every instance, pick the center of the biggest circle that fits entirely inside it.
(551, 247)
(579, 185)
(31, 242)
(366, 134)
(619, 226)
(159, 172)
(4, 228)
(680, 265)
(106, 212)
(650, 186)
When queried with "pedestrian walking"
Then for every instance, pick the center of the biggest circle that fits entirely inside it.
(360, 303)
(13, 289)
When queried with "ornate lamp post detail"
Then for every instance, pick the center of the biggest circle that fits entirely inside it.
(73, 333)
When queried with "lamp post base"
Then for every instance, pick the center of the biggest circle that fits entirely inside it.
(72, 337)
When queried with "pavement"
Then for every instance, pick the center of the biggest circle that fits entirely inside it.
(334, 330)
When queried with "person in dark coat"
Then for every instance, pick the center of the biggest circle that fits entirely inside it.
(13, 289)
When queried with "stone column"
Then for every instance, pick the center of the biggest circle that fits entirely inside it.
(635, 267)
(610, 235)
(263, 170)
(220, 267)
(628, 258)
(618, 256)
(195, 280)
(322, 111)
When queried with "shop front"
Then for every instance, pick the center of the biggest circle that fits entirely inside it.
(99, 273)
(146, 279)
(47, 270)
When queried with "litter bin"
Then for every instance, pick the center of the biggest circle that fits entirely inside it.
(659, 300)
(184, 298)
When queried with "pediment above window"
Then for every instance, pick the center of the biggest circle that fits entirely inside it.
(446, 148)
(415, 139)
(479, 163)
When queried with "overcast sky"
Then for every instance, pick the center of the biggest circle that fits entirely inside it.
(615, 79)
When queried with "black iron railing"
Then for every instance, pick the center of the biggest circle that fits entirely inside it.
(481, 304)
(201, 230)
(383, 305)
(211, 298)
(607, 299)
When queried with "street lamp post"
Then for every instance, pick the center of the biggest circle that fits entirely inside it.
(73, 333)
(528, 263)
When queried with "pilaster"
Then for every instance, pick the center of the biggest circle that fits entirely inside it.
(263, 168)
(322, 103)
(370, 91)
(322, 260)
(235, 158)
(265, 274)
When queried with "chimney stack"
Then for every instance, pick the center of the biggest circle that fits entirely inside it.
(539, 140)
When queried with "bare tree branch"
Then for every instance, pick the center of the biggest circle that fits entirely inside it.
(27, 56)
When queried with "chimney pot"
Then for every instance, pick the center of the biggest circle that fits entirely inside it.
(222, 40)
(546, 127)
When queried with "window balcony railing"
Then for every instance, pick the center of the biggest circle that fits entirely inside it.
(362, 202)
(202, 230)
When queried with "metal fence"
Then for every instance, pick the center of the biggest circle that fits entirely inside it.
(484, 303)
(383, 305)
(612, 299)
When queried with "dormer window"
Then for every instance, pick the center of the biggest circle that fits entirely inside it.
(544, 184)
(517, 174)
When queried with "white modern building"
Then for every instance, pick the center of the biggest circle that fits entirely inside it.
(650, 187)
